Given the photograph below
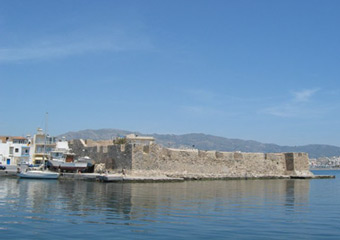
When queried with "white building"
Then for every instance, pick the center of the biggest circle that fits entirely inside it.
(14, 150)
(18, 150)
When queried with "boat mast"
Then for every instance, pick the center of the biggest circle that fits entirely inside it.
(46, 119)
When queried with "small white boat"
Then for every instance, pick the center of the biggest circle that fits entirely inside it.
(39, 174)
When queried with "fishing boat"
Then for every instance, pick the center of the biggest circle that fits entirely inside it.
(69, 166)
(62, 159)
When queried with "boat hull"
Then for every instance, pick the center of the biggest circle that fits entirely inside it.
(68, 166)
(39, 175)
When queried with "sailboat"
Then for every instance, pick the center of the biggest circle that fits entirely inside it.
(41, 172)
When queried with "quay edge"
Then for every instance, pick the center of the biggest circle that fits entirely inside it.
(148, 178)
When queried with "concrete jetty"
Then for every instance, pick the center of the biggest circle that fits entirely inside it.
(124, 178)
(118, 177)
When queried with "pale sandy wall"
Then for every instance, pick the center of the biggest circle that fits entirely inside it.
(233, 164)
(154, 159)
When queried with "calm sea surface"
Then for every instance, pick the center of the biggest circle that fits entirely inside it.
(234, 209)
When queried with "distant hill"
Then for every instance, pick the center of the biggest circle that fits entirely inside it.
(209, 142)
(100, 134)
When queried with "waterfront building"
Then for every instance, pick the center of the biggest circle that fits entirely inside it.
(14, 150)
(33, 150)
(62, 151)
(41, 146)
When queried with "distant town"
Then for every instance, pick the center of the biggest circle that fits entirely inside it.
(325, 162)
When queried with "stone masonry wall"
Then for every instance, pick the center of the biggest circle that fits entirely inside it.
(155, 159)
(214, 163)
(207, 163)
(116, 157)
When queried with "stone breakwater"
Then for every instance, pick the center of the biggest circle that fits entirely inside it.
(155, 160)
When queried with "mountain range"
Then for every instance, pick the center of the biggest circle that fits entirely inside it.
(208, 142)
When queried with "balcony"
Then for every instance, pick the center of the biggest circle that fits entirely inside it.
(47, 142)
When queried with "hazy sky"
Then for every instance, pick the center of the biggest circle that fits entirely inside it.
(258, 70)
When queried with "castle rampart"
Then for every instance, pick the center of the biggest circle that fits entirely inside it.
(155, 159)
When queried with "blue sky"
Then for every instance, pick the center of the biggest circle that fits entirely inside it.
(258, 70)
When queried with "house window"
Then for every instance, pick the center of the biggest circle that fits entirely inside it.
(17, 150)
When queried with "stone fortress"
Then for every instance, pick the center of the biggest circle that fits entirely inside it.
(137, 155)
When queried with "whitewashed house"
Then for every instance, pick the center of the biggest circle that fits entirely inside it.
(14, 150)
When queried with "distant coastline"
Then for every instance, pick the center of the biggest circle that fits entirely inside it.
(325, 169)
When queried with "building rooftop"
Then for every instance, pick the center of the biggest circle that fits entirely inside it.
(136, 137)
(5, 139)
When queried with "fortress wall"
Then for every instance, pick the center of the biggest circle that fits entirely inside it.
(92, 143)
(192, 162)
(198, 162)
(113, 156)
(299, 161)
(119, 157)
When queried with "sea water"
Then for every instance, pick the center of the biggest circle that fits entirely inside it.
(229, 209)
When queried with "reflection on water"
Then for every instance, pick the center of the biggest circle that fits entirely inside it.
(134, 200)
(149, 209)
